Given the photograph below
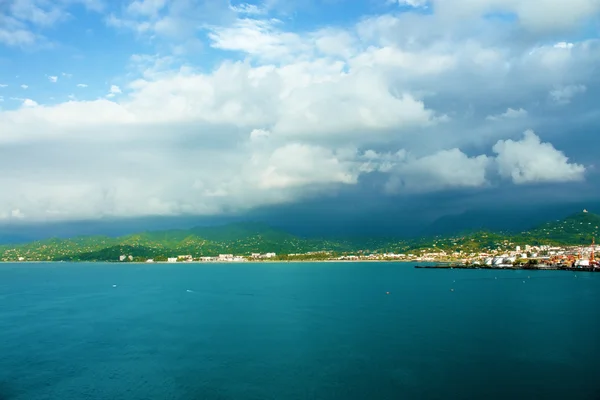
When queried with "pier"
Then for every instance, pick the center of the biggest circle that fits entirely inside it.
(538, 268)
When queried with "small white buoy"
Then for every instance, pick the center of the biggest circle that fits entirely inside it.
(114, 285)
(495, 277)
(452, 290)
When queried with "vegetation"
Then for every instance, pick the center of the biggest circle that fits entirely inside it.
(247, 238)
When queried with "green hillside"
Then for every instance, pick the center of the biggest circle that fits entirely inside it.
(239, 239)
(578, 228)
(247, 238)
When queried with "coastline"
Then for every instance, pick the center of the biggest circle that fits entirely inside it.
(206, 262)
(545, 268)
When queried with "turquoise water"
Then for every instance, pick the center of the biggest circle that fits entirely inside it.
(296, 331)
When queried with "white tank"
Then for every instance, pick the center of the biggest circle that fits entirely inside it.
(582, 263)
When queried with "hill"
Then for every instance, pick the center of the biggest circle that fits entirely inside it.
(239, 238)
(247, 238)
(576, 229)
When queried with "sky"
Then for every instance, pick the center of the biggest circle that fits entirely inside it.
(306, 110)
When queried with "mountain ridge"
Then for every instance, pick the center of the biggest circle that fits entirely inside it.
(247, 237)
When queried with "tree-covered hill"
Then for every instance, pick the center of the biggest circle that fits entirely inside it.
(247, 238)
(577, 229)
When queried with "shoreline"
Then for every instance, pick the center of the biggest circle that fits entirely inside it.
(204, 262)
(550, 268)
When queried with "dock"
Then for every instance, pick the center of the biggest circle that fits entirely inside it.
(537, 268)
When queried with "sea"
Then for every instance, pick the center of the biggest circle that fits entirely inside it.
(296, 331)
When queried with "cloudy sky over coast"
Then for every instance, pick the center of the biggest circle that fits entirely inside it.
(165, 108)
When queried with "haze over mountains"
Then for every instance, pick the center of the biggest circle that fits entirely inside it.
(308, 224)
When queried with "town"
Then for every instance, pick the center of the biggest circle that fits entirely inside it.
(538, 257)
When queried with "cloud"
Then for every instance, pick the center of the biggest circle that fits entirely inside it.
(146, 7)
(29, 103)
(53, 79)
(557, 15)
(249, 9)
(445, 169)
(177, 20)
(532, 161)
(564, 95)
(396, 104)
(411, 3)
(66, 75)
(82, 85)
(21, 21)
(113, 91)
(15, 33)
(509, 114)
(24, 86)
(3, 86)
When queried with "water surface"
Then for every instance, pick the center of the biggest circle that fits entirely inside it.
(296, 331)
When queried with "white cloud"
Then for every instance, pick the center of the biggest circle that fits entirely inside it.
(13, 33)
(396, 99)
(411, 3)
(259, 38)
(3, 86)
(66, 75)
(29, 103)
(444, 169)
(24, 86)
(146, 7)
(557, 15)
(250, 9)
(258, 134)
(529, 160)
(17, 214)
(564, 95)
(21, 21)
(53, 79)
(564, 45)
(296, 165)
(510, 113)
(82, 85)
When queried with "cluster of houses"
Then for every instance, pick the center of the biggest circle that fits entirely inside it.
(540, 255)
(219, 258)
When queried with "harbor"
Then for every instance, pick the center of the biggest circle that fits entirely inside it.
(592, 268)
